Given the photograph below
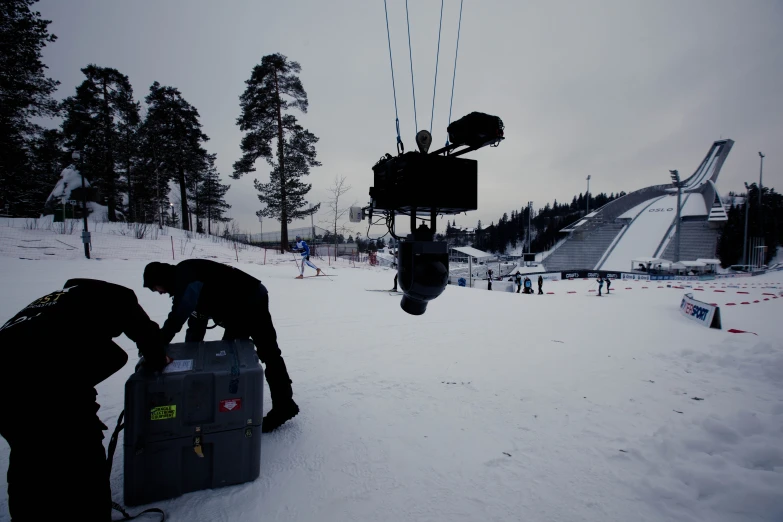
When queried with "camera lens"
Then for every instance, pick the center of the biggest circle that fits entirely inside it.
(423, 273)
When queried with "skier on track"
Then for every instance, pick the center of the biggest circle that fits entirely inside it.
(600, 282)
(608, 284)
(304, 250)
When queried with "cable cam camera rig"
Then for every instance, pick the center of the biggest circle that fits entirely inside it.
(420, 183)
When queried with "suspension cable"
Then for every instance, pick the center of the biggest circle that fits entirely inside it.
(459, 26)
(437, 56)
(394, 90)
(410, 52)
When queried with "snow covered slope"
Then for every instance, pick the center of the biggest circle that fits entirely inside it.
(491, 406)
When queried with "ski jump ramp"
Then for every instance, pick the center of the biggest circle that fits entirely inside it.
(643, 223)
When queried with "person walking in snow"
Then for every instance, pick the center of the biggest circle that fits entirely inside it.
(518, 281)
(203, 290)
(304, 250)
(48, 408)
(600, 282)
(540, 285)
(608, 284)
(396, 273)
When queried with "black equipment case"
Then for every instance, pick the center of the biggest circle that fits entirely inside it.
(196, 425)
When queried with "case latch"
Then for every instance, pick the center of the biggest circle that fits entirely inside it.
(197, 443)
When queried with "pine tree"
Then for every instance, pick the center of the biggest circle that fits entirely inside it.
(299, 157)
(150, 186)
(128, 153)
(730, 242)
(47, 160)
(211, 194)
(173, 131)
(103, 102)
(272, 89)
(25, 93)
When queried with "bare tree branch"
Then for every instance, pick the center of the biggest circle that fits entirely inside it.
(335, 211)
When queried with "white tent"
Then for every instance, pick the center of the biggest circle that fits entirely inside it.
(711, 265)
(647, 263)
(466, 252)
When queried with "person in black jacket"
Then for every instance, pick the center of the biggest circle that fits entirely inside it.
(203, 290)
(52, 355)
(540, 285)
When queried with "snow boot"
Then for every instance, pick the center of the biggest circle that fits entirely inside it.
(283, 406)
(318, 271)
(300, 276)
(279, 415)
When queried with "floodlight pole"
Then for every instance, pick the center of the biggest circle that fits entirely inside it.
(77, 156)
(745, 237)
(587, 196)
(529, 212)
(676, 181)
(761, 171)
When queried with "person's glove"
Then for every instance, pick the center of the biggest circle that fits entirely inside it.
(154, 357)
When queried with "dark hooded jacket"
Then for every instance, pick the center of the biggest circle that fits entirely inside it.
(201, 289)
(83, 317)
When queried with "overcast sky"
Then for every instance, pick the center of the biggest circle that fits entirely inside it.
(622, 90)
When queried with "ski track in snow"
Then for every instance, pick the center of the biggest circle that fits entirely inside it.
(472, 412)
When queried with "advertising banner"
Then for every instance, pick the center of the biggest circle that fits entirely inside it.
(701, 312)
(673, 278)
(635, 277)
(589, 274)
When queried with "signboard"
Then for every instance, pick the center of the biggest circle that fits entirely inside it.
(674, 278)
(635, 277)
(701, 312)
(589, 274)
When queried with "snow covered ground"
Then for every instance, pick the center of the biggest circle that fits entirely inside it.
(490, 406)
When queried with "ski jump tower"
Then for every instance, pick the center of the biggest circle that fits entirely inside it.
(643, 223)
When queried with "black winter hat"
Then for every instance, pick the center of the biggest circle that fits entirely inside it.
(156, 273)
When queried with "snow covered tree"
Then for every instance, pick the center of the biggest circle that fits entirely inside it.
(103, 101)
(272, 89)
(47, 160)
(25, 93)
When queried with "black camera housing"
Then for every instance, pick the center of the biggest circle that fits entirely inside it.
(416, 182)
(419, 184)
(422, 273)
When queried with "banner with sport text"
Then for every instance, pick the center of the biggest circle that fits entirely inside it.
(703, 313)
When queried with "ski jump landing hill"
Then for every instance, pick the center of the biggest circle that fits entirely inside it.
(642, 224)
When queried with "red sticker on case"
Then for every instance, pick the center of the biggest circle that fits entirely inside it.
(230, 405)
